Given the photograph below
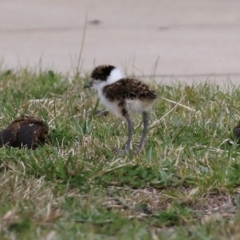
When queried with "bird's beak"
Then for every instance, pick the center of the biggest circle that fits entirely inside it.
(88, 85)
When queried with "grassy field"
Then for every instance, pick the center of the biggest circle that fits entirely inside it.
(185, 185)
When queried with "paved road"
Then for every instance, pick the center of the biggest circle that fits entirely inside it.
(188, 39)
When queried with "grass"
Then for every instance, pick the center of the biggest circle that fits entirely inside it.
(185, 185)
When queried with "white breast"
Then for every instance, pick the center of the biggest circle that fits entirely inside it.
(112, 106)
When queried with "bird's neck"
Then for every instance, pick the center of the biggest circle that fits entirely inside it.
(99, 87)
(115, 75)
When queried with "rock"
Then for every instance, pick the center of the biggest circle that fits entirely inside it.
(236, 132)
(25, 132)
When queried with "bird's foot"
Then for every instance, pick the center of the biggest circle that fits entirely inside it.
(121, 152)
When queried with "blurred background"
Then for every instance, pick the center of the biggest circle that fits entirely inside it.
(178, 40)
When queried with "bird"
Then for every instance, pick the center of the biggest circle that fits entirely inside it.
(123, 96)
(25, 132)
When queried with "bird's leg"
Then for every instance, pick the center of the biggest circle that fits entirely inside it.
(144, 134)
(130, 132)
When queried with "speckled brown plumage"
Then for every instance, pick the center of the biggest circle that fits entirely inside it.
(102, 72)
(128, 88)
(25, 131)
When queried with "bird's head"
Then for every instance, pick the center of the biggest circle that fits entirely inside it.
(104, 75)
